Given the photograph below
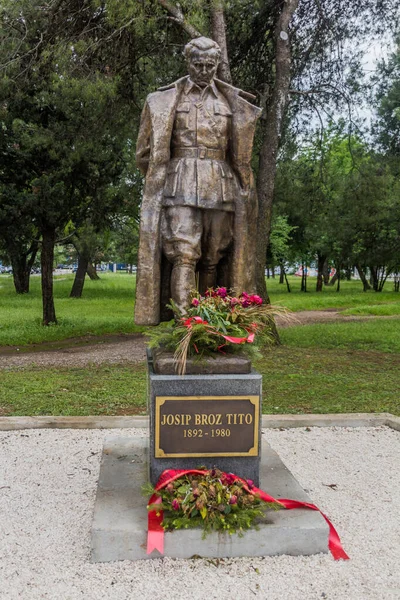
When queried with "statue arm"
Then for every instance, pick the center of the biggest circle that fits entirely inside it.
(143, 141)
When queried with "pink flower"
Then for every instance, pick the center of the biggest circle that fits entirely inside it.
(233, 499)
(170, 488)
(250, 483)
(222, 292)
(175, 504)
(235, 301)
(195, 302)
(255, 299)
(245, 299)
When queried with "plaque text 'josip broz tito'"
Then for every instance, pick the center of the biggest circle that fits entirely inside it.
(206, 426)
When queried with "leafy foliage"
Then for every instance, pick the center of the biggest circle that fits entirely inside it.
(217, 322)
(213, 501)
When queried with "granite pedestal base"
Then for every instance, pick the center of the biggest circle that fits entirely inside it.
(198, 386)
(119, 530)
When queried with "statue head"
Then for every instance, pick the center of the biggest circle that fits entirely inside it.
(202, 57)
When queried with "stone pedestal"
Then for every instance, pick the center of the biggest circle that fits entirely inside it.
(119, 530)
(205, 420)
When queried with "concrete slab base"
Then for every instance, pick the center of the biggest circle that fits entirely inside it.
(119, 530)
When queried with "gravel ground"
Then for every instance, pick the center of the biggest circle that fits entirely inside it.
(47, 488)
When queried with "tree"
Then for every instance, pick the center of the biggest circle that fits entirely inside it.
(280, 238)
(54, 97)
(387, 98)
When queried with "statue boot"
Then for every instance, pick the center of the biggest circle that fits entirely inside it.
(183, 282)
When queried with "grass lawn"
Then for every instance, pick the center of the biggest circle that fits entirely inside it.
(106, 390)
(351, 369)
(351, 296)
(105, 307)
(320, 368)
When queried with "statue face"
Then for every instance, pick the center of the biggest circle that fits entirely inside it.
(203, 66)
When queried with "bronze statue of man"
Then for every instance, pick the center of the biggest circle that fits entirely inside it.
(199, 209)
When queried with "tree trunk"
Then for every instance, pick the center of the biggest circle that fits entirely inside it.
(304, 277)
(21, 267)
(334, 279)
(282, 274)
(287, 282)
(338, 277)
(218, 30)
(20, 273)
(363, 278)
(374, 277)
(47, 259)
(79, 281)
(271, 137)
(91, 271)
(321, 263)
(326, 272)
(349, 273)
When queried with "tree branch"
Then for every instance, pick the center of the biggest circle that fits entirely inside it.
(178, 16)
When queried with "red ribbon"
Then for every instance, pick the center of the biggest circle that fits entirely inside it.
(155, 535)
(198, 320)
(234, 340)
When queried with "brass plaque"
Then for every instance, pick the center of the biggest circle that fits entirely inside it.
(188, 426)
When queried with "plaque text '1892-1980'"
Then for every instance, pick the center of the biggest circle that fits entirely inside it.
(206, 426)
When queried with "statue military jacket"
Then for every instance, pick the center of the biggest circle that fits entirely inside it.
(153, 156)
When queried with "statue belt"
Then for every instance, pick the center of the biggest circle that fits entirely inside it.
(213, 153)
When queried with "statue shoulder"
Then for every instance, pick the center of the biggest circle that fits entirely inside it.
(162, 94)
(174, 85)
(229, 89)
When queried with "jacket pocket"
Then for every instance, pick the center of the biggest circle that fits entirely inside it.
(229, 188)
(221, 109)
(182, 115)
(171, 180)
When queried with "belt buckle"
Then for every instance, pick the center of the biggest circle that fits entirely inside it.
(202, 152)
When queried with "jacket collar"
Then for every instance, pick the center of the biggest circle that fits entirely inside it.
(189, 85)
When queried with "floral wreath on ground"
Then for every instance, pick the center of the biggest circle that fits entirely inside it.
(212, 500)
(218, 322)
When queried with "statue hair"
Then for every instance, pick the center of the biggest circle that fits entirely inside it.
(201, 43)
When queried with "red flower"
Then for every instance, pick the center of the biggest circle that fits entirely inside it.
(195, 302)
(229, 479)
(255, 299)
(222, 292)
(245, 300)
(175, 504)
(233, 499)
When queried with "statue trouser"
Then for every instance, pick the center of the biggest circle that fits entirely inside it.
(194, 238)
